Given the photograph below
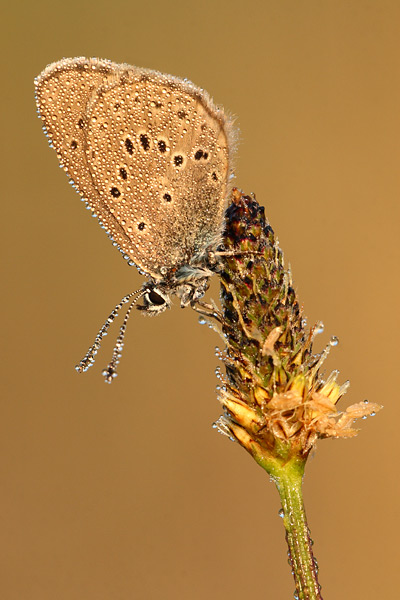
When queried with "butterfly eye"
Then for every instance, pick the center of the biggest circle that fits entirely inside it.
(155, 301)
(155, 298)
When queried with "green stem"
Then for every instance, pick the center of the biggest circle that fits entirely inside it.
(288, 480)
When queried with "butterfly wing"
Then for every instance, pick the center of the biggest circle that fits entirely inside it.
(150, 153)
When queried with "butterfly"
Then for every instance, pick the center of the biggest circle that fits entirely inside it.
(151, 154)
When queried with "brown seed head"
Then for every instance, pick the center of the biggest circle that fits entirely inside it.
(274, 398)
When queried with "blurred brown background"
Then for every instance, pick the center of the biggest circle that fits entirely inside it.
(125, 491)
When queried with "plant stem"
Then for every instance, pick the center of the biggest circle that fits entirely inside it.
(289, 480)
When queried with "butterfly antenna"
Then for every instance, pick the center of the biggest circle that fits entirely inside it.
(89, 358)
(110, 372)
